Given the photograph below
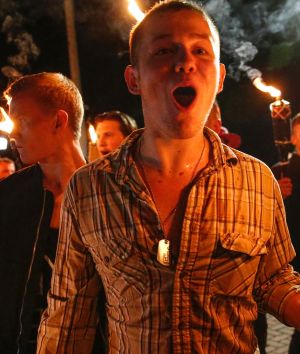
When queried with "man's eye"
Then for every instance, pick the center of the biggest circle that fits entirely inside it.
(199, 51)
(163, 51)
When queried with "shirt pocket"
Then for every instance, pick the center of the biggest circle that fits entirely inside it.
(110, 251)
(116, 250)
(118, 261)
(235, 263)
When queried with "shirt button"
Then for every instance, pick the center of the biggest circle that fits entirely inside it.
(186, 290)
(183, 274)
(182, 325)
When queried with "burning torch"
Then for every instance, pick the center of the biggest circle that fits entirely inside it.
(280, 113)
(135, 11)
(6, 127)
(93, 153)
(7, 146)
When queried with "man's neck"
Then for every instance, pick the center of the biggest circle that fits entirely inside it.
(58, 171)
(169, 156)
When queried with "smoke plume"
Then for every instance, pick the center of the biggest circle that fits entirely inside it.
(22, 41)
(244, 29)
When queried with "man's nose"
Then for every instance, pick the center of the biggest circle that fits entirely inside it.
(186, 62)
(101, 141)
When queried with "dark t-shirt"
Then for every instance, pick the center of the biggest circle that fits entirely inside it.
(44, 286)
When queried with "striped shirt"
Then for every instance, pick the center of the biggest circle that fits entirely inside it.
(234, 255)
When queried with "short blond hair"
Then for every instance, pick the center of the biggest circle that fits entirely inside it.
(54, 91)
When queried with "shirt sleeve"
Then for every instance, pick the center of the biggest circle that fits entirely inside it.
(69, 323)
(277, 279)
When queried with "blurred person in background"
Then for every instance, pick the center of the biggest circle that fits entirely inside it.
(7, 167)
(214, 122)
(111, 129)
(288, 176)
(47, 112)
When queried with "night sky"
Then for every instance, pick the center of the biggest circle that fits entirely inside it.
(264, 35)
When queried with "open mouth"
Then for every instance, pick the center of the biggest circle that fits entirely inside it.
(184, 96)
(104, 152)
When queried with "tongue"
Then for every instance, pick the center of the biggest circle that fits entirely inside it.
(184, 95)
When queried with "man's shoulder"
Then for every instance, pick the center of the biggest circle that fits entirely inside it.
(245, 157)
(252, 163)
(92, 167)
(113, 163)
(226, 155)
(21, 188)
(30, 174)
(89, 175)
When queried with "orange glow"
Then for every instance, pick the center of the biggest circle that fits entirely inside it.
(135, 11)
(92, 133)
(6, 124)
(272, 91)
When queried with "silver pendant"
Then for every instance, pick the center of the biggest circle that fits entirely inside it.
(163, 252)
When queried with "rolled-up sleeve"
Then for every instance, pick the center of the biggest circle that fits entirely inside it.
(277, 280)
(69, 323)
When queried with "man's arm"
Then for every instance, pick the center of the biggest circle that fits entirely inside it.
(69, 323)
(278, 286)
(291, 310)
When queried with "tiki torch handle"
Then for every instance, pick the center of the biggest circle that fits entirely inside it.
(281, 114)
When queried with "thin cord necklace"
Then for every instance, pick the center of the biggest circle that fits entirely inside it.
(163, 251)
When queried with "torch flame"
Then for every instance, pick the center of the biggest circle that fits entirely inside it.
(274, 92)
(92, 133)
(135, 11)
(6, 124)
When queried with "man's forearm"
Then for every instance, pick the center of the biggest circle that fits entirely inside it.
(291, 310)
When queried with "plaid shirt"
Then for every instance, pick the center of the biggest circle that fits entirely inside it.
(234, 255)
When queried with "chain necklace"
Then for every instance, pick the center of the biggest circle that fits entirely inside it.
(163, 251)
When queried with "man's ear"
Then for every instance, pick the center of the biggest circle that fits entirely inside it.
(222, 77)
(131, 78)
(62, 118)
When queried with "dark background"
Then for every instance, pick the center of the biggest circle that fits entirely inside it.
(270, 30)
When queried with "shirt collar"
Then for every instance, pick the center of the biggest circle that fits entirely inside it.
(121, 161)
(222, 154)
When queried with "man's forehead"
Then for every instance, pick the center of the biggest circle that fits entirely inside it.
(108, 123)
(196, 25)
